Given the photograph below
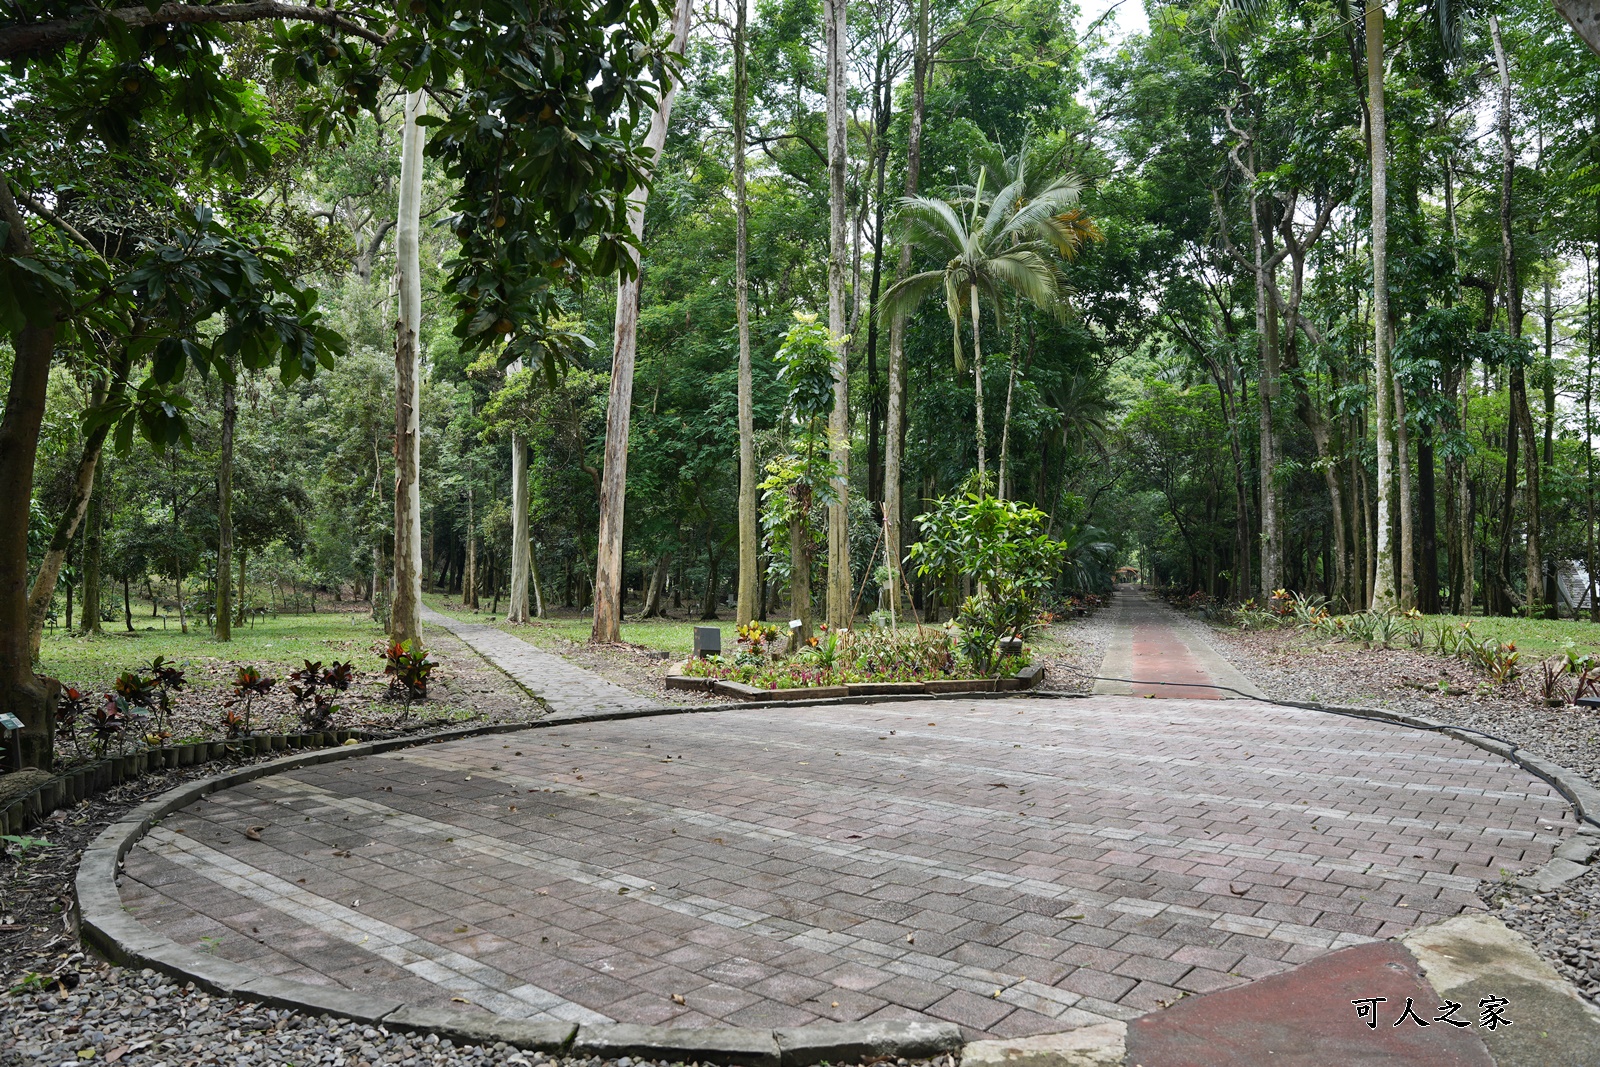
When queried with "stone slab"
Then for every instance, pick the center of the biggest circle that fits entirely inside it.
(1553, 875)
(1102, 1045)
(481, 1029)
(1471, 957)
(733, 1046)
(865, 1042)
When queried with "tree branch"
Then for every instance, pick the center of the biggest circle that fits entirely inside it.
(43, 38)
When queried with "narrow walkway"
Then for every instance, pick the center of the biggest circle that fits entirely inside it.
(1165, 655)
(565, 687)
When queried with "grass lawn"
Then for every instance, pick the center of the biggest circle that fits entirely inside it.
(1535, 638)
(666, 635)
(93, 662)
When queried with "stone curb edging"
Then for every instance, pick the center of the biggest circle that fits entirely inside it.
(124, 940)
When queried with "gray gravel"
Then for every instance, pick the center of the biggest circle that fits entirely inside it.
(1565, 925)
(1071, 651)
(143, 1019)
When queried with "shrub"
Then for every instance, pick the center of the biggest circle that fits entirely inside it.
(247, 686)
(409, 670)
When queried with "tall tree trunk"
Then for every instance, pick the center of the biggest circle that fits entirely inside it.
(708, 604)
(1521, 414)
(895, 418)
(838, 46)
(607, 628)
(749, 601)
(92, 547)
(1266, 392)
(44, 583)
(1383, 593)
(1011, 387)
(800, 574)
(535, 587)
(883, 99)
(517, 602)
(1407, 562)
(469, 580)
(1427, 532)
(1588, 434)
(977, 385)
(405, 611)
(230, 415)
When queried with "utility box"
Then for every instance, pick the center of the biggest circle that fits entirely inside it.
(707, 641)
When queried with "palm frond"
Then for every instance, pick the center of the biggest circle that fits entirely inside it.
(905, 294)
(1032, 275)
(927, 222)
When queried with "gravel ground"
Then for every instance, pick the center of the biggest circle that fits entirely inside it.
(1564, 925)
(142, 1019)
(1071, 651)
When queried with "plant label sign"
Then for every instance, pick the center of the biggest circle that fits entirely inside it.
(10, 722)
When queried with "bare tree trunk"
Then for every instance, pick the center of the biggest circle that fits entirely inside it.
(230, 415)
(535, 586)
(977, 383)
(607, 628)
(1407, 562)
(405, 612)
(658, 583)
(469, 579)
(1383, 592)
(895, 417)
(1011, 387)
(1588, 438)
(1584, 15)
(91, 562)
(1266, 392)
(800, 574)
(838, 45)
(1534, 576)
(517, 602)
(749, 602)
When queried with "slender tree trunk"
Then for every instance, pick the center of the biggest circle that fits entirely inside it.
(1534, 576)
(1383, 593)
(607, 628)
(1011, 386)
(230, 414)
(895, 418)
(838, 46)
(469, 579)
(91, 562)
(883, 101)
(1407, 564)
(44, 584)
(1427, 532)
(517, 601)
(749, 600)
(800, 574)
(405, 611)
(1266, 392)
(535, 587)
(977, 384)
(658, 582)
(1588, 436)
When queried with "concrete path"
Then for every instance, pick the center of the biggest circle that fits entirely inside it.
(1018, 867)
(1165, 655)
(563, 686)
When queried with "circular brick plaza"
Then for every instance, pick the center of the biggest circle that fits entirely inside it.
(1014, 866)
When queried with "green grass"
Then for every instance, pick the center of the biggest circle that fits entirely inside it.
(1535, 638)
(666, 635)
(93, 662)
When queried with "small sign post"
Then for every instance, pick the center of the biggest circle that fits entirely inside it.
(13, 729)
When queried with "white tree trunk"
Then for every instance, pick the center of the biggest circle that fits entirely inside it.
(894, 419)
(839, 584)
(749, 603)
(1383, 586)
(614, 481)
(517, 605)
(405, 613)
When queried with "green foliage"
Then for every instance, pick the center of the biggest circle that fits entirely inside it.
(409, 670)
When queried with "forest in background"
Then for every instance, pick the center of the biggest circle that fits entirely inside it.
(1209, 403)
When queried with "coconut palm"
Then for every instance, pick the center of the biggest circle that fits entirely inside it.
(991, 246)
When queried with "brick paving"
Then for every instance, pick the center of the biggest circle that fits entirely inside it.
(1014, 866)
(1155, 651)
(564, 687)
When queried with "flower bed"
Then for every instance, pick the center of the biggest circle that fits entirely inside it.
(844, 658)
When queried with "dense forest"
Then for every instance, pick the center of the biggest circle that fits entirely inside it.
(887, 256)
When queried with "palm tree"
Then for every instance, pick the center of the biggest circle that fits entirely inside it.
(1066, 232)
(988, 252)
